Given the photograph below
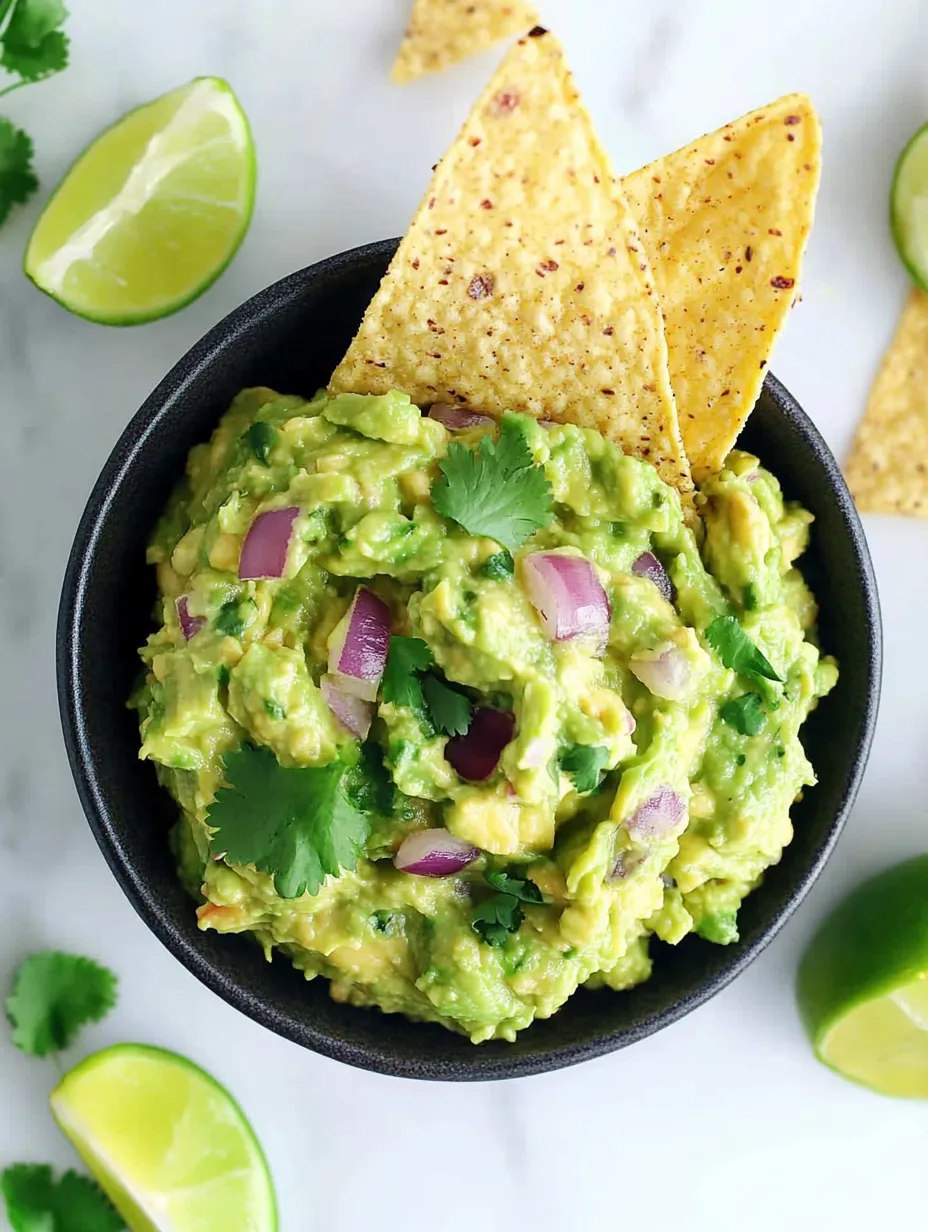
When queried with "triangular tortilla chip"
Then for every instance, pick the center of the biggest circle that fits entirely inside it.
(522, 283)
(442, 32)
(725, 222)
(887, 471)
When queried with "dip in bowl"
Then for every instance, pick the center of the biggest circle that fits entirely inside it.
(106, 610)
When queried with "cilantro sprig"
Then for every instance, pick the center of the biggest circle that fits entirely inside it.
(501, 914)
(54, 995)
(296, 824)
(408, 681)
(37, 1202)
(584, 765)
(745, 714)
(737, 651)
(32, 48)
(496, 489)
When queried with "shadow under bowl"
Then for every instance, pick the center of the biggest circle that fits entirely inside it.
(290, 337)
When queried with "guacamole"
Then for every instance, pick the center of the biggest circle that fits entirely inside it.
(597, 765)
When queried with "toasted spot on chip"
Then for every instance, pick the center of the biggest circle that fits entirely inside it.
(745, 190)
(442, 32)
(517, 335)
(887, 471)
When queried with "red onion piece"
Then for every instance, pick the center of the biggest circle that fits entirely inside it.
(667, 676)
(264, 552)
(459, 418)
(359, 653)
(568, 596)
(475, 755)
(190, 625)
(548, 424)
(648, 566)
(351, 712)
(658, 815)
(434, 853)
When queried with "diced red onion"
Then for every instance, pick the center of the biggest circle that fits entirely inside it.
(648, 566)
(190, 625)
(475, 755)
(667, 676)
(626, 863)
(264, 552)
(351, 712)
(459, 418)
(359, 654)
(658, 815)
(548, 424)
(568, 596)
(434, 853)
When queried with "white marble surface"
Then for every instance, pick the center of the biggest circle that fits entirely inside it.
(721, 1122)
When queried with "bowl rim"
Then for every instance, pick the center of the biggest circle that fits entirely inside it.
(130, 446)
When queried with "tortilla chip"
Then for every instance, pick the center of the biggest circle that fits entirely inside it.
(887, 471)
(442, 32)
(521, 284)
(725, 223)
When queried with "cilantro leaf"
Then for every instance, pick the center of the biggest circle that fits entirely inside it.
(450, 711)
(518, 887)
(500, 567)
(296, 824)
(260, 439)
(493, 919)
(745, 714)
(584, 764)
(54, 995)
(17, 179)
(32, 46)
(401, 684)
(36, 1202)
(368, 784)
(737, 651)
(496, 489)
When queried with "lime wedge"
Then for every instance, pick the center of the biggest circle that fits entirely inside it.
(169, 1145)
(908, 207)
(863, 984)
(152, 212)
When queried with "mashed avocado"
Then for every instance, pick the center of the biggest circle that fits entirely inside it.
(650, 772)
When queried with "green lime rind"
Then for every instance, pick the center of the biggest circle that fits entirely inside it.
(908, 207)
(873, 943)
(134, 1111)
(141, 316)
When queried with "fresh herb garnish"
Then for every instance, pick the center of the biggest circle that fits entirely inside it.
(495, 918)
(745, 714)
(54, 995)
(737, 651)
(749, 597)
(32, 47)
(500, 567)
(495, 489)
(402, 684)
(296, 824)
(229, 620)
(501, 914)
(450, 711)
(36, 1202)
(274, 709)
(583, 764)
(519, 887)
(407, 681)
(261, 437)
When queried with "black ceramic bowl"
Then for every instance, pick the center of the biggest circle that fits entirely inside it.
(290, 337)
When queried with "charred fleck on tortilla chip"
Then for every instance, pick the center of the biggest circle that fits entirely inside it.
(725, 222)
(442, 32)
(522, 283)
(887, 471)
